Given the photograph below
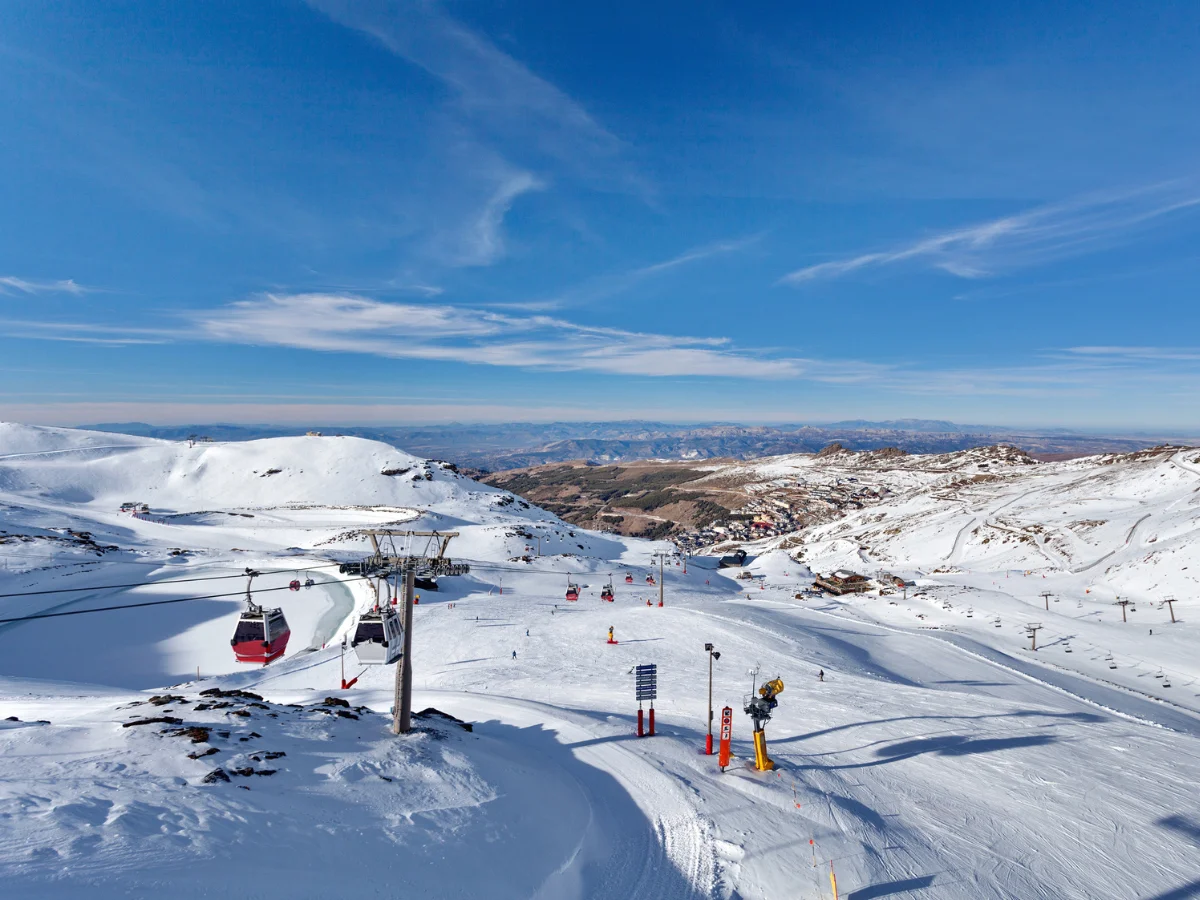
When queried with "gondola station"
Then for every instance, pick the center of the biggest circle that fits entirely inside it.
(262, 634)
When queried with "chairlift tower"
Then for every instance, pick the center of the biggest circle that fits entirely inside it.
(432, 562)
(1031, 630)
(660, 556)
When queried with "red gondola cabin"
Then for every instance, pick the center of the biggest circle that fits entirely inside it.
(261, 636)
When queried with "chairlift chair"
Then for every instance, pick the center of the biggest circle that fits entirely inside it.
(572, 591)
(308, 581)
(650, 579)
(379, 637)
(629, 578)
(606, 592)
(294, 584)
(262, 634)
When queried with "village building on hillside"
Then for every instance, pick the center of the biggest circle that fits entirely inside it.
(842, 581)
(734, 560)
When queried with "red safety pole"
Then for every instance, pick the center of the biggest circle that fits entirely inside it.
(726, 737)
(651, 720)
(641, 733)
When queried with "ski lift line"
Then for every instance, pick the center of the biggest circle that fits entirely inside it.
(492, 567)
(136, 584)
(100, 560)
(80, 612)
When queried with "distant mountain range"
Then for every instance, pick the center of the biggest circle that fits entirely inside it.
(517, 445)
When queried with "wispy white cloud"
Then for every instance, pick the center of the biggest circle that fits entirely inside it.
(425, 290)
(85, 332)
(1038, 235)
(494, 91)
(501, 130)
(696, 254)
(609, 285)
(481, 242)
(355, 324)
(1118, 354)
(11, 283)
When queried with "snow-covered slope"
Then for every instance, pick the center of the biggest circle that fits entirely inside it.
(1090, 532)
(937, 758)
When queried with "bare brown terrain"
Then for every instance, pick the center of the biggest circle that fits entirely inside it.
(645, 498)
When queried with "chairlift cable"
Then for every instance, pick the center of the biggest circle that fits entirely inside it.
(137, 584)
(80, 612)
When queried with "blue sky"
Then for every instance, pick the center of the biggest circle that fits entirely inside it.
(381, 212)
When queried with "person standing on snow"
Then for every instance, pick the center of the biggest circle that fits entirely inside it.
(821, 675)
(514, 654)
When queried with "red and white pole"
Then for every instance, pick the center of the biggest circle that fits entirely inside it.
(726, 737)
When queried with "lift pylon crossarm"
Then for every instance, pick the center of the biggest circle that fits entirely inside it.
(397, 629)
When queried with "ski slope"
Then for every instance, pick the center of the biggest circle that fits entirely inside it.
(936, 760)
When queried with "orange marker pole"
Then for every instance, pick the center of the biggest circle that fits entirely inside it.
(833, 880)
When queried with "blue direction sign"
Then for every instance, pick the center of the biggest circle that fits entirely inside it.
(646, 682)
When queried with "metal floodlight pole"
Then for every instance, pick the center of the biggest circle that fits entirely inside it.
(710, 714)
(712, 655)
(660, 580)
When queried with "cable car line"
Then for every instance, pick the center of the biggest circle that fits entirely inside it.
(136, 584)
(80, 612)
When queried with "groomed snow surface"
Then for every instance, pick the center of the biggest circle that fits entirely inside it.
(937, 759)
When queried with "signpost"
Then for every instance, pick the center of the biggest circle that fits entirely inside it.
(646, 688)
(726, 736)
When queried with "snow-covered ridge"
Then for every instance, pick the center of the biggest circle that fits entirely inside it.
(90, 468)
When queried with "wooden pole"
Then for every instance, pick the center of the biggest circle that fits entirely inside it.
(1032, 631)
